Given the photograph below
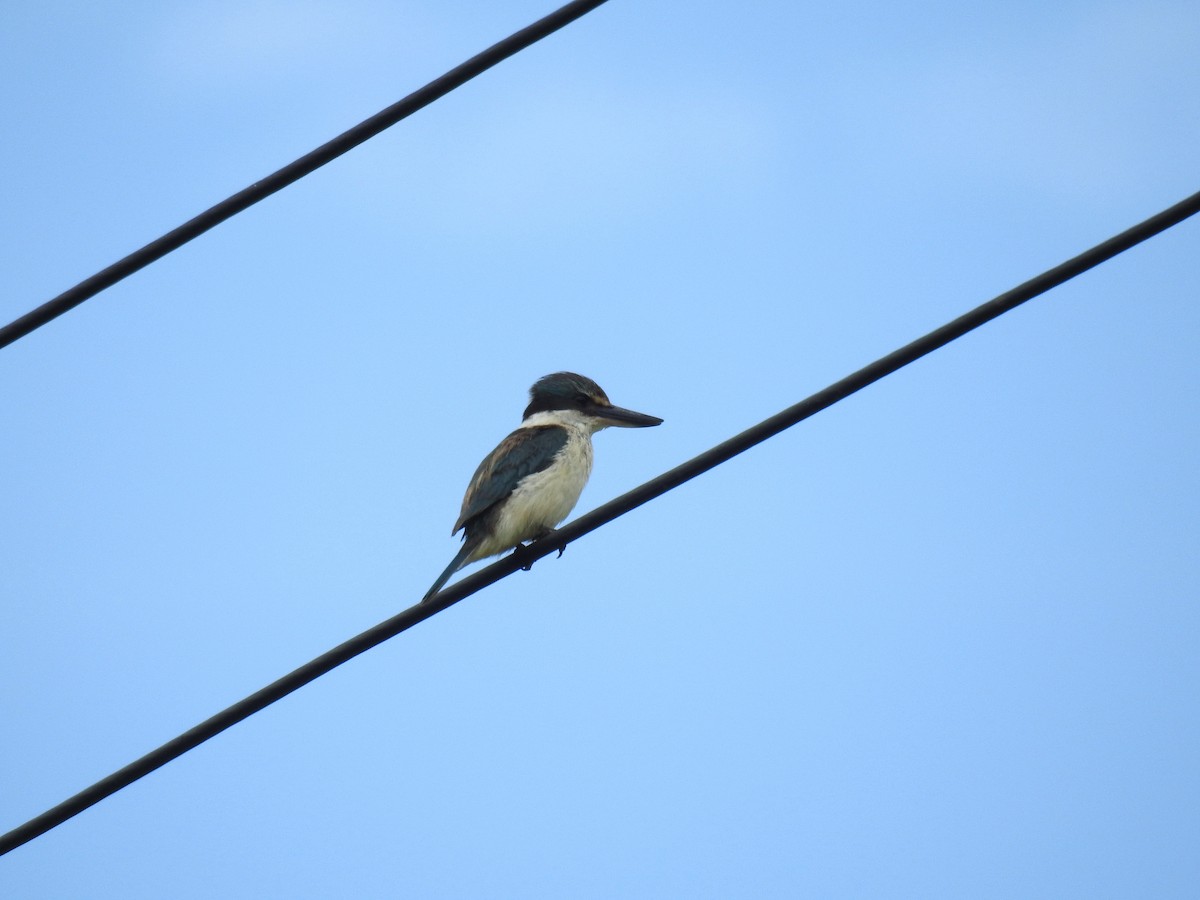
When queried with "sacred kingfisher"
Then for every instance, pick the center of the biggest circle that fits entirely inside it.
(531, 481)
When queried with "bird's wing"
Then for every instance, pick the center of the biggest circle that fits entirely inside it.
(521, 454)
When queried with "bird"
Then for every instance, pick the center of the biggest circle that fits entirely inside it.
(534, 477)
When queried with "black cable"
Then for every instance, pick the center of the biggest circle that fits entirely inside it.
(294, 171)
(597, 517)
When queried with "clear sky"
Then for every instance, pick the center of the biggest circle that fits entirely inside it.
(941, 640)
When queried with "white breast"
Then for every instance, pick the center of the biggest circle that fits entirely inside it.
(545, 498)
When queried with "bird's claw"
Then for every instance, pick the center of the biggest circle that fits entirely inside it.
(547, 535)
(522, 550)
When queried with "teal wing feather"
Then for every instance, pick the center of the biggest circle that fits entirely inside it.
(521, 454)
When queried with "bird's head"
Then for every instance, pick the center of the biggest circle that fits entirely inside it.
(564, 391)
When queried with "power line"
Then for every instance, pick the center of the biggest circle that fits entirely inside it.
(601, 515)
(296, 170)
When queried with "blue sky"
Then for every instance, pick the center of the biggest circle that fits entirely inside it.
(938, 641)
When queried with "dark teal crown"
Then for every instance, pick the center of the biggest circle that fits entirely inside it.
(563, 390)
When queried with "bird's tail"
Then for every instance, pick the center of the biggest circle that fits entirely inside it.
(460, 560)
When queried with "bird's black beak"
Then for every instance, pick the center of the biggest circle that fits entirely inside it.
(624, 418)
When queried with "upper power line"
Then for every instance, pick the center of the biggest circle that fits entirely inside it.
(296, 170)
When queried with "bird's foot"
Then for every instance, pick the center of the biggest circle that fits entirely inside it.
(523, 556)
(524, 552)
(549, 535)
